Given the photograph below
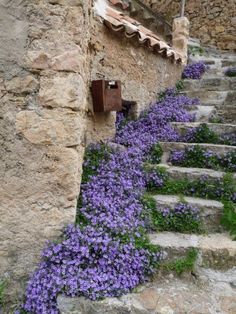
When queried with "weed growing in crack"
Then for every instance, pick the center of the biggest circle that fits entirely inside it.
(155, 154)
(228, 219)
(185, 264)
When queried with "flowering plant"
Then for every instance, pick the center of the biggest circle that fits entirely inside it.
(92, 260)
(194, 71)
(87, 262)
(182, 218)
(231, 72)
(203, 134)
(199, 157)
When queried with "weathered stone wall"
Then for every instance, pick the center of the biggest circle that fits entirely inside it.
(44, 69)
(51, 50)
(143, 74)
(213, 22)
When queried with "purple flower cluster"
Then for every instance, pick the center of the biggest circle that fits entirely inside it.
(91, 261)
(203, 158)
(181, 209)
(154, 125)
(111, 198)
(87, 262)
(194, 71)
(154, 180)
(177, 157)
(182, 218)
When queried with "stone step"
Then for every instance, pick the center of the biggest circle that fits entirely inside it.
(226, 60)
(227, 113)
(210, 211)
(216, 251)
(209, 97)
(213, 71)
(171, 146)
(207, 292)
(210, 84)
(202, 113)
(218, 128)
(176, 172)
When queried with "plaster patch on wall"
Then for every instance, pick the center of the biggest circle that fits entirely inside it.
(100, 7)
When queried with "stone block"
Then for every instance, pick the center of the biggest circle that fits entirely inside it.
(52, 127)
(71, 61)
(63, 90)
(37, 60)
(19, 85)
(181, 36)
(101, 127)
(219, 29)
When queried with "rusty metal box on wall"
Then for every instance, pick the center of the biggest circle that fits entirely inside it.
(106, 95)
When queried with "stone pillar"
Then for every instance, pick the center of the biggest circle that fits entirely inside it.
(44, 71)
(181, 36)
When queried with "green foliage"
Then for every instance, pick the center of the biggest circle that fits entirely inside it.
(179, 86)
(80, 219)
(223, 189)
(196, 51)
(94, 155)
(3, 286)
(215, 120)
(184, 264)
(199, 157)
(184, 223)
(155, 154)
(228, 219)
(205, 135)
(148, 202)
(231, 72)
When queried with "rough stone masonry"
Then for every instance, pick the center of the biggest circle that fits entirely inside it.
(49, 52)
(213, 22)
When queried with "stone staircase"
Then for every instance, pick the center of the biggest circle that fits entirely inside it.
(215, 90)
(217, 93)
(211, 288)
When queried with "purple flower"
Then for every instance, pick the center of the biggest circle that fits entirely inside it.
(90, 260)
(194, 71)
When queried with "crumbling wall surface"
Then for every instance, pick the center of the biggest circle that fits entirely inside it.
(143, 73)
(43, 102)
(213, 22)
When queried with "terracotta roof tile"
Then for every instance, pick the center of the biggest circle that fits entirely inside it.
(118, 22)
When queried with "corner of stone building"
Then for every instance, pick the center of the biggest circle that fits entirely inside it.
(181, 27)
(43, 94)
